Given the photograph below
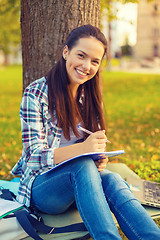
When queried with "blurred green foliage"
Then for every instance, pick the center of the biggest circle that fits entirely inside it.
(133, 116)
(10, 98)
(10, 36)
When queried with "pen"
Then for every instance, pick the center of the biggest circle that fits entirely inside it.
(89, 132)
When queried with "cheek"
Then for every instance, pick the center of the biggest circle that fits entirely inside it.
(69, 67)
(94, 70)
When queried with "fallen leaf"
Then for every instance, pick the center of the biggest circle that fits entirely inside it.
(2, 173)
(155, 157)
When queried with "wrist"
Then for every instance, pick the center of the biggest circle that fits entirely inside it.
(81, 147)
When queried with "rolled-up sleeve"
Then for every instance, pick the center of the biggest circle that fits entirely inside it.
(34, 132)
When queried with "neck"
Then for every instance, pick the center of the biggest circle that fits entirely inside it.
(74, 90)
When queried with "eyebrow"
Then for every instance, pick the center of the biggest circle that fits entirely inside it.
(87, 55)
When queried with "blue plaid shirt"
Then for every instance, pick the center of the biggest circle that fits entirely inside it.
(40, 136)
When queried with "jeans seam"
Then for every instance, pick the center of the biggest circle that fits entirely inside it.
(129, 225)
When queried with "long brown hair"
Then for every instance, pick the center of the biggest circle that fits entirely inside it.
(87, 107)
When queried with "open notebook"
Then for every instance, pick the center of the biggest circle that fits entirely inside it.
(94, 155)
(7, 207)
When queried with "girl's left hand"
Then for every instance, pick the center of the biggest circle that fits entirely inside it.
(101, 164)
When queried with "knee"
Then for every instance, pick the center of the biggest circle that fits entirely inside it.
(111, 179)
(113, 183)
(84, 164)
(116, 189)
(85, 168)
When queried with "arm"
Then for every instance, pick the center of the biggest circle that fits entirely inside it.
(96, 142)
(34, 133)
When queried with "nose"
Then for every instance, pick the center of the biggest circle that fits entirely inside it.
(86, 65)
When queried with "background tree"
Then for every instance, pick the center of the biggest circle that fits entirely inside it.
(9, 26)
(109, 10)
(44, 25)
(126, 48)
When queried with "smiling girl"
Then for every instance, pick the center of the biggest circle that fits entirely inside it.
(52, 108)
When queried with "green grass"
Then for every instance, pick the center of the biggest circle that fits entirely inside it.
(133, 119)
(10, 98)
(132, 113)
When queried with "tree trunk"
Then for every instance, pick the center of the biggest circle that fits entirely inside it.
(44, 26)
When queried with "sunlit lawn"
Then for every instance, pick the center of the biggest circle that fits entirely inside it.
(132, 106)
(10, 135)
(132, 113)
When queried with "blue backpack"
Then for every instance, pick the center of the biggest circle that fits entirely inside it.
(18, 222)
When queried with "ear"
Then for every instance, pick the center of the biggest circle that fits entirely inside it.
(65, 52)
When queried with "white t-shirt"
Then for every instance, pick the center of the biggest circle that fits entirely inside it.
(64, 142)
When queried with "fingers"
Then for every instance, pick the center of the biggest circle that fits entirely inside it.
(96, 142)
(101, 164)
(100, 144)
(99, 139)
(103, 160)
(100, 135)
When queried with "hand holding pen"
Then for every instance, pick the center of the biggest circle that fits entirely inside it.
(89, 132)
(95, 142)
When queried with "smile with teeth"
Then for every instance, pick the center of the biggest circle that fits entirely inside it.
(82, 73)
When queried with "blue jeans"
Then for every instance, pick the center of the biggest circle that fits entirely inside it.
(96, 195)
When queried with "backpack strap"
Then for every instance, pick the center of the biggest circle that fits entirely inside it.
(7, 194)
(25, 221)
(30, 224)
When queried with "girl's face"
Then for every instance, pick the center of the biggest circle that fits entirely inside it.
(83, 60)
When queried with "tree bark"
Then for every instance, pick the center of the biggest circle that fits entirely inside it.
(44, 26)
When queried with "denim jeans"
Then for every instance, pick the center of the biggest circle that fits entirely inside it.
(96, 195)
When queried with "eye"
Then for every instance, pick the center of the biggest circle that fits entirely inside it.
(95, 62)
(80, 55)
